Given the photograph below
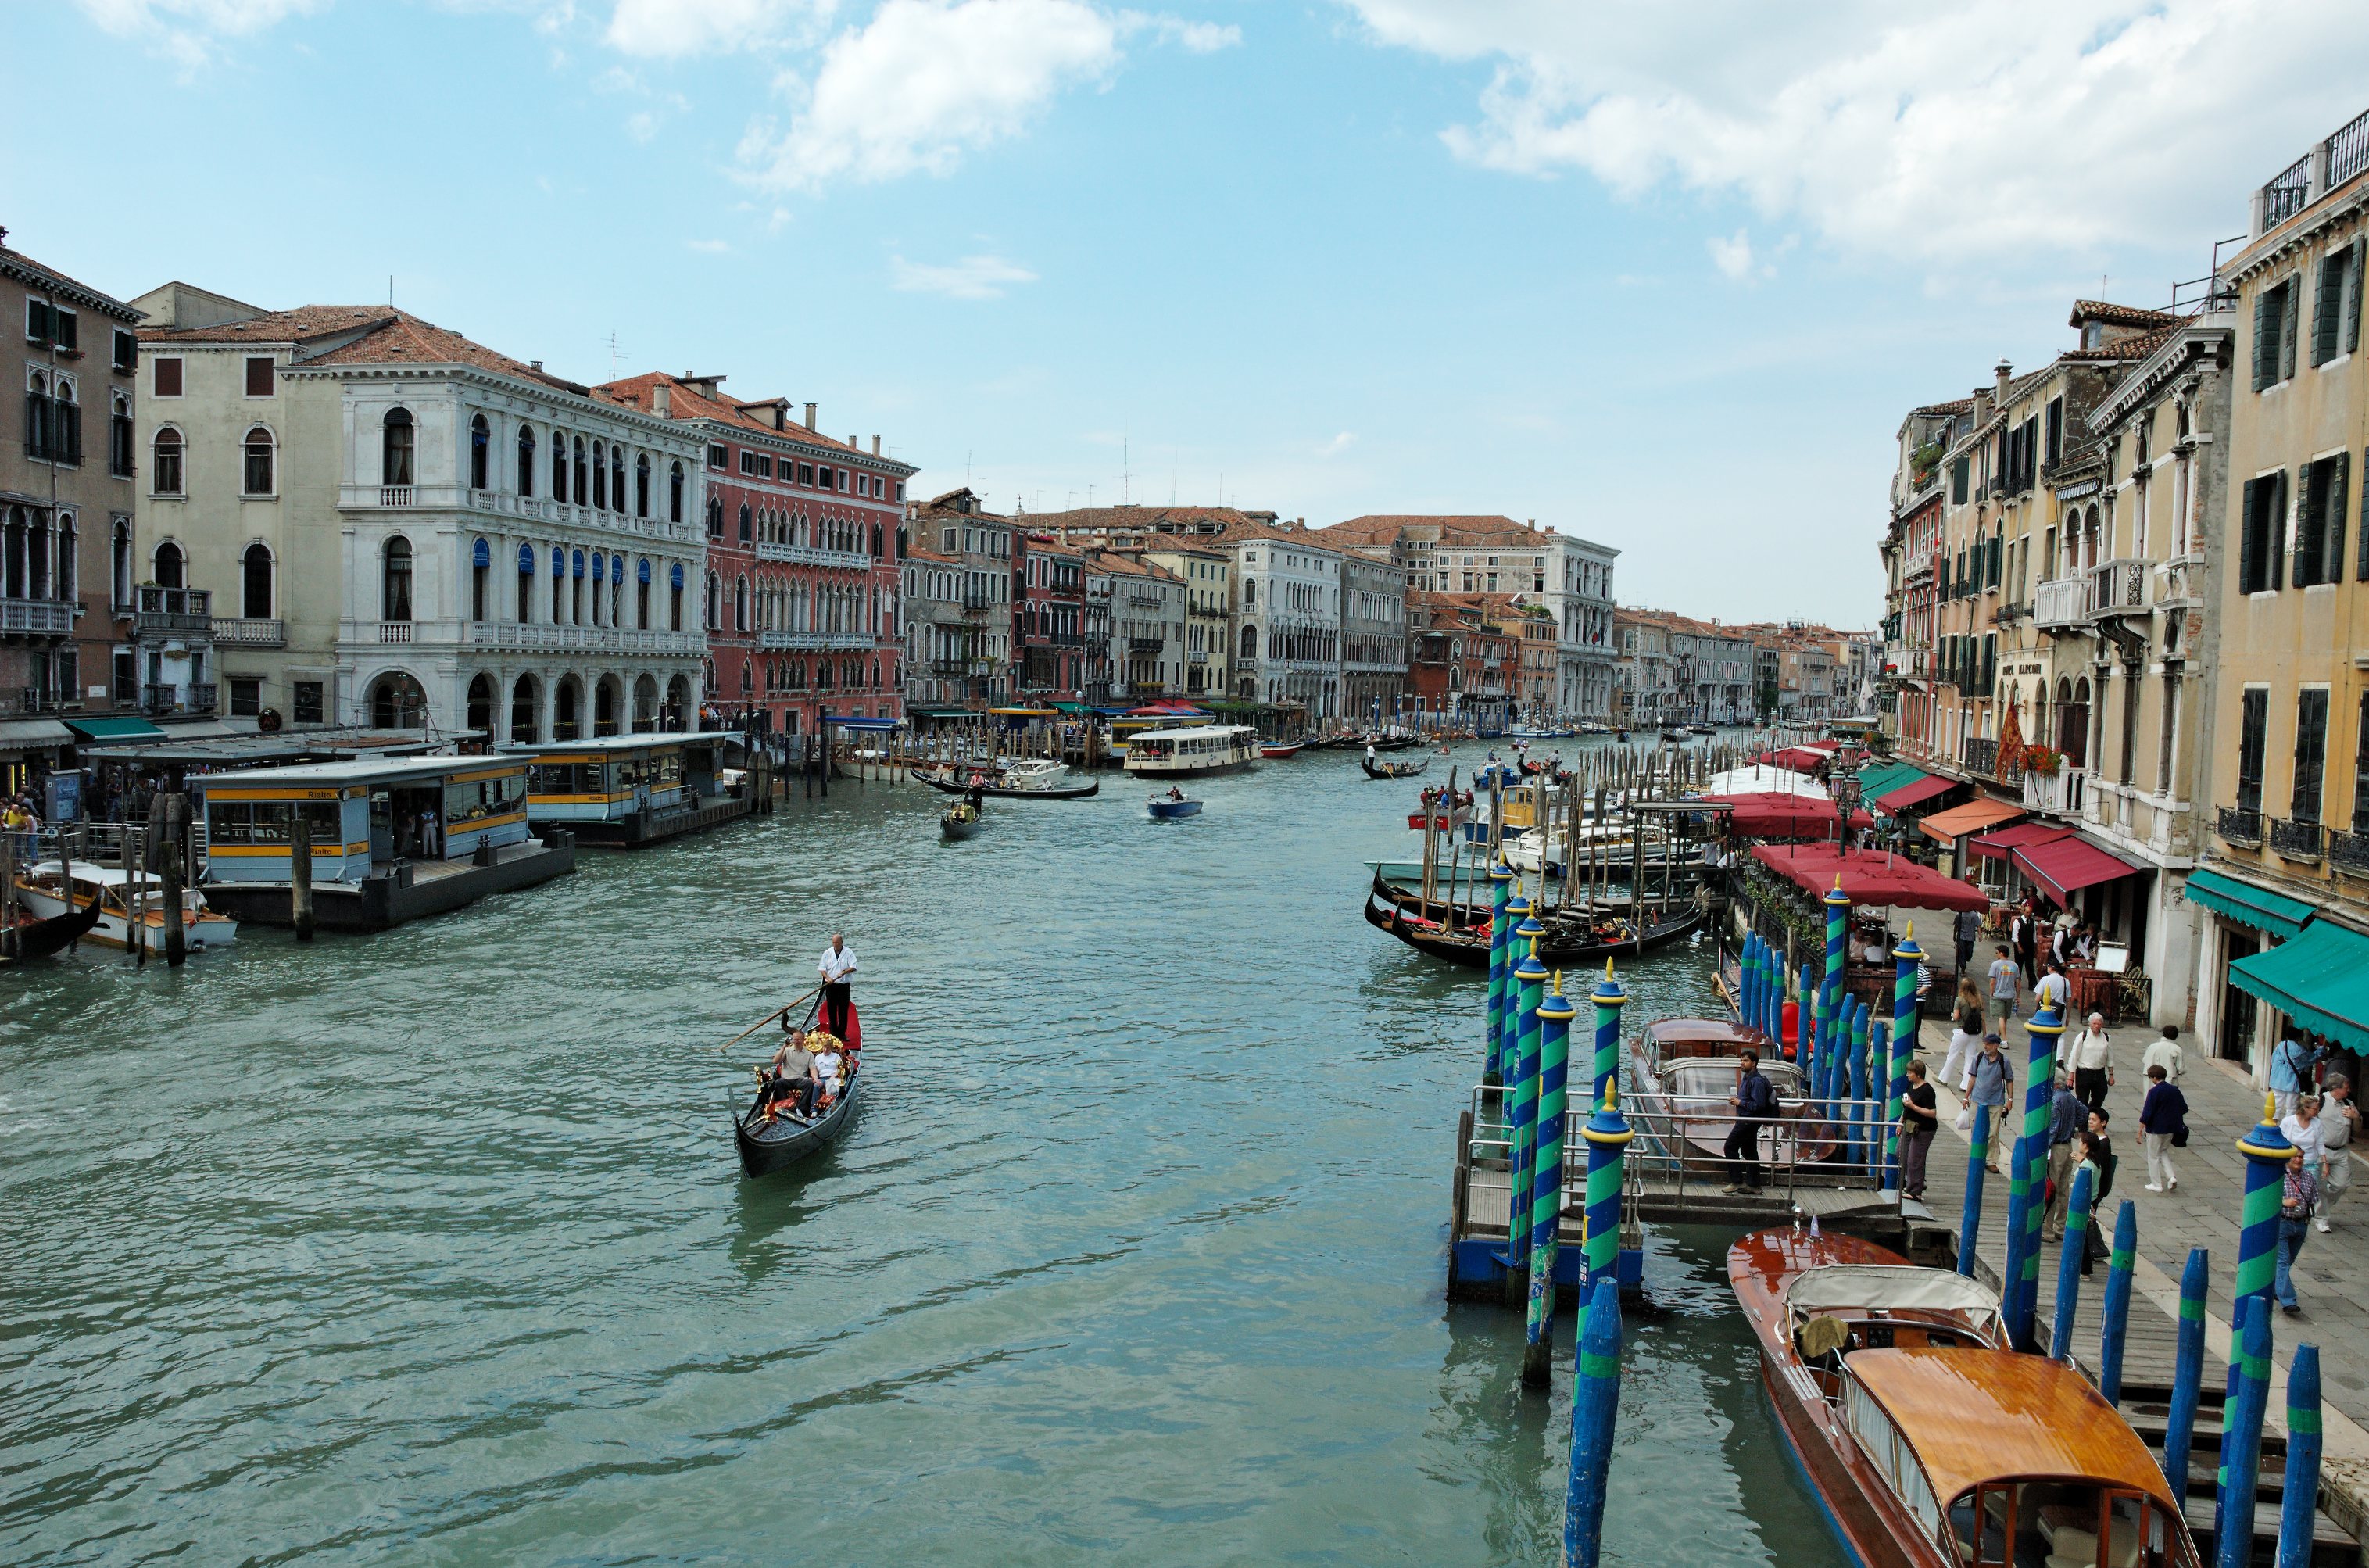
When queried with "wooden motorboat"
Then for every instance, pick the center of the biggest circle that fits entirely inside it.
(1565, 945)
(767, 1146)
(1680, 1072)
(1277, 753)
(1168, 808)
(1929, 1441)
(961, 781)
(959, 822)
(38, 938)
(51, 888)
(1394, 770)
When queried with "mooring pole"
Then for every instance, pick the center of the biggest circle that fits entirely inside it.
(177, 935)
(1501, 881)
(1904, 960)
(1855, 1038)
(2301, 1492)
(1556, 1014)
(2024, 1208)
(1609, 998)
(1531, 978)
(2266, 1150)
(2115, 1311)
(1830, 996)
(2069, 1267)
(1970, 1220)
(300, 872)
(1595, 1411)
(2187, 1373)
(2233, 1535)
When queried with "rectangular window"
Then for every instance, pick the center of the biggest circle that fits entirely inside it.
(747, 460)
(718, 456)
(2170, 732)
(2276, 313)
(258, 375)
(127, 350)
(63, 326)
(2261, 536)
(308, 702)
(245, 697)
(2253, 720)
(2055, 428)
(2329, 308)
(2319, 525)
(169, 376)
(37, 321)
(805, 472)
(2361, 767)
(127, 676)
(2310, 753)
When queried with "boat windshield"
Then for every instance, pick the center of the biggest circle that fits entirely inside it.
(1713, 1079)
(2008, 1523)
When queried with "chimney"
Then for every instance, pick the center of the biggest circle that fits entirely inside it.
(662, 400)
(534, 364)
(810, 416)
(875, 446)
(2000, 377)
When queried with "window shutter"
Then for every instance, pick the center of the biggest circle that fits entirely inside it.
(2332, 504)
(2325, 306)
(2250, 518)
(2353, 297)
(64, 322)
(2263, 302)
(37, 320)
(2275, 532)
(69, 432)
(2292, 328)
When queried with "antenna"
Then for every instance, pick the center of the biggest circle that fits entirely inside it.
(390, 291)
(1123, 475)
(612, 353)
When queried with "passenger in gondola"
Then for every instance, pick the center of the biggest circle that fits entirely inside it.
(789, 1078)
(829, 1064)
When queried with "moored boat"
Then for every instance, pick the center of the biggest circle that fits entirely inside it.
(1394, 770)
(1566, 942)
(38, 938)
(1680, 1072)
(1277, 753)
(51, 889)
(1930, 1442)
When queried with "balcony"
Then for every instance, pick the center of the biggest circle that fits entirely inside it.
(37, 617)
(1196, 656)
(606, 639)
(1981, 755)
(2297, 841)
(2240, 827)
(394, 631)
(395, 495)
(2118, 588)
(2348, 852)
(249, 632)
(38, 700)
(2061, 604)
(813, 642)
(198, 698)
(173, 613)
(1146, 645)
(812, 555)
(2059, 793)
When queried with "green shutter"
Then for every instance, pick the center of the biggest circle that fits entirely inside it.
(2333, 502)
(2292, 328)
(2327, 304)
(2262, 339)
(62, 322)
(37, 320)
(2274, 538)
(2353, 297)
(2248, 549)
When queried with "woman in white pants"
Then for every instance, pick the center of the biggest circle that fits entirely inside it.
(1965, 1037)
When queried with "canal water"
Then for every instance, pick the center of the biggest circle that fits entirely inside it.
(430, 1247)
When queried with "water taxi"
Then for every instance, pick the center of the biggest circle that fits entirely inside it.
(1170, 806)
(624, 791)
(1680, 1072)
(1192, 752)
(1930, 1442)
(391, 838)
(126, 904)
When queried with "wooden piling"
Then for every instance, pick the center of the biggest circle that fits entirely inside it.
(169, 870)
(300, 874)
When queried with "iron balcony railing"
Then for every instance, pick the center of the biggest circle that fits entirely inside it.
(2297, 841)
(2348, 150)
(2348, 852)
(2118, 588)
(2286, 194)
(2238, 826)
(173, 611)
(1981, 757)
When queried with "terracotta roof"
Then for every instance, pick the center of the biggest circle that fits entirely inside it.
(363, 335)
(26, 270)
(685, 401)
(2138, 346)
(1108, 519)
(1955, 405)
(917, 551)
(1378, 528)
(1119, 565)
(2118, 315)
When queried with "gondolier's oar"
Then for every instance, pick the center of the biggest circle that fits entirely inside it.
(777, 1012)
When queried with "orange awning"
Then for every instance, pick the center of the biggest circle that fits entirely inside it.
(1974, 817)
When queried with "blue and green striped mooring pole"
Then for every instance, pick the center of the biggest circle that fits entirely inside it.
(1530, 980)
(1556, 1014)
(1970, 1220)
(2241, 1450)
(2187, 1373)
(1830, 992)
(1905, 959)
(1606, 1135)
(2301, 1491)
(2266, 1150)
(1609, 998)
(2069, 1269)
(1501, 893)
(2114, 1316)
(1594, 1413)
(2027, 1169)
(1509, 1019)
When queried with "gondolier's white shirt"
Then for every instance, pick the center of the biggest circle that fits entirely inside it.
(836, 965)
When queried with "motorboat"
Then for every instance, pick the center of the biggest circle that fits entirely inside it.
(1680, 1072)
(1277, 753)
(1168, 808)
(1036, 774)
(125, 903)
(1929, 1439)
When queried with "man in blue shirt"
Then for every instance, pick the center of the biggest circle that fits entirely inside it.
(2067, 1118)
(1755, 1103)
(2291, 1064)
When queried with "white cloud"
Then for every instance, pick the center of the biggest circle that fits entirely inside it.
(189, 29)
(674, 29)
(1338, 444)
(642, 125)
(708, 246)
(1733, 257)
(1967, 132)
(925, 81)
(1198, 38)
(972, 278)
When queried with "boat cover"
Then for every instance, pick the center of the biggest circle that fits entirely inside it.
(1856, 1287)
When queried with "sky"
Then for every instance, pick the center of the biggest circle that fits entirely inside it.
(1664, 276)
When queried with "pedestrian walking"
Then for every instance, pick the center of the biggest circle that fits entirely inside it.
(1753, 1102)
(1965, 1040)
(2291, 1064)
(2098, 1159)
(2067, 1116)
(2053, 989)
(2302, 1129)
(2163, 1116)
(2340, 1120)
(1991, 1081)
(2165, 1054)
(2006, 988)
(1966, 928)
(1920, 1118)
(2297, 1201)
(2093, 1065)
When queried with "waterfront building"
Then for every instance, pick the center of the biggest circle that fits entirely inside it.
(937, 674)
(67, 609)
(1463, 654)
(1048, 626)
(2286, 866)
(1149, 622)
(1103, 671)
(1374, 641)
(1646, 674)
(420, 530)
(978, 546)
(1207, 573)
(800, 593)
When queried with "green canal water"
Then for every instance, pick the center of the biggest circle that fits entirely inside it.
(430, 1247)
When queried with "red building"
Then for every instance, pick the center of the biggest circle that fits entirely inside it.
(1048, 607)
(1463, 652)
(801, 591)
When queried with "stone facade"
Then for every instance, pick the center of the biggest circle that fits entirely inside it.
(974, 656)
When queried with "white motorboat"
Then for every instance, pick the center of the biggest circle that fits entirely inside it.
(1035, 772)
(50, 888)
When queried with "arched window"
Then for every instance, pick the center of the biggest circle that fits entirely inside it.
(582, 489)
(168, 565)
(674, 494)
(567, 704)
(526, 703)
(747, 532)
(715, 604)
(164, 473)
(526, 460)
(617, 476)
(397, 702)
(642, 593)
(480, 451)
(395, 580)
(119, 436)
(481, 704)
(120, 563)
(642, 485)
(394, 448)
(714, 518)
(740, 604)
(559, 466)
(1250, 593)
(255, 582)
(1249, 642)
(256, 474)
(599, 477)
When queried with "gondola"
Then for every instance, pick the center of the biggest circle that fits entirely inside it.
(1394, 770)
(39, 938)
(953, 825)
(997, 791)
(767, 1148)
(1562, 947)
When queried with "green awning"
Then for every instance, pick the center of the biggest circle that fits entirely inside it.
(1886, 777)
(2249, 905)
(1073, 707)
(2320, 980)
(123, 728)
(916, 711)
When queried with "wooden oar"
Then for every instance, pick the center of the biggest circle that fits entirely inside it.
(760, 1022)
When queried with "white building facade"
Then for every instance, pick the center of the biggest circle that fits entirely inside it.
(1286, 618)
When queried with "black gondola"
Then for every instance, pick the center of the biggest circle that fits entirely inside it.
(997, 791)
(1394, 770)
(38, 939)
(766, 1148)
(1562, 947)
(955, 826)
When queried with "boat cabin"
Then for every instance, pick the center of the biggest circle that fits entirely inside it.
(379, 829)
(1666, 1039)
(1197, 749)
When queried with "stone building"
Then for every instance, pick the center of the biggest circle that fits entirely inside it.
(1148, 624)
(1374, 638)
(421, 531)
(980, 546)
(1464, 655)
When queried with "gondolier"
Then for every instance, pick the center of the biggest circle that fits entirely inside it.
(838, 963)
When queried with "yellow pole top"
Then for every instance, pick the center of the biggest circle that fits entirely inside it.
(1910, 934)
(2270, 1109)
(1607, 965)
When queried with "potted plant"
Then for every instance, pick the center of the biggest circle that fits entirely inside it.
(2041, 760)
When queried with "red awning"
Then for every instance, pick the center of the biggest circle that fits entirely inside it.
(1983, 812)
(1820, 745)
(1770, 815)
(1868, 876)
(1800, 758)
(2069, 862)
(1910, 795)
(1996, 846)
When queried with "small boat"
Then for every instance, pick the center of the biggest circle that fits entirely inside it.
(1035, 772)
(1592, 727)
(1680, 1072)
(960, 782)
(1394, 770)
(1929, 1440)
(1277, 753)
(958, 822)
(1677, 736)
(50, 890)
(1566, 942)
(767, 1146)
(38, 938)
(1167, 809)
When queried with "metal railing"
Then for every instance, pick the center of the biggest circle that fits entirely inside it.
(1981, 755)
(2297, 841)
(2238, 826)
(2348, 150)
(2286, 192)
(2348, 852)
(2118, 587)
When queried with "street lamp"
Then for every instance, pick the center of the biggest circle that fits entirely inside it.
(1842, 783)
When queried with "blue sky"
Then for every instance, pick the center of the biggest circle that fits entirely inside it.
(1666, 276)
